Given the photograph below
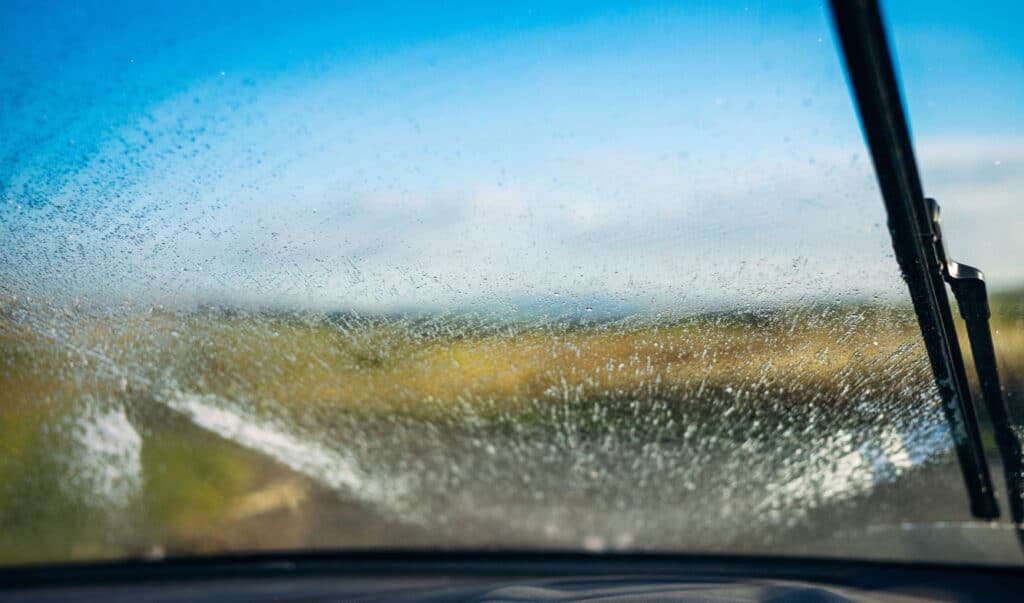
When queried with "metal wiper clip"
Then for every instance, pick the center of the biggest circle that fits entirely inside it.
(968, 286)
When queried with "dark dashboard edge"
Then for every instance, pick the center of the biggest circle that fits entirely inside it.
(338, 564)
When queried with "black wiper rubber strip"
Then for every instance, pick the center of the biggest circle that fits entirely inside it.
(872, 77)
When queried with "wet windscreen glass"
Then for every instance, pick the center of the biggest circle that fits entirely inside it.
(585, 276)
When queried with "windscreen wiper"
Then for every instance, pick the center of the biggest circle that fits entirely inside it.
(968, 285)
(914, 225)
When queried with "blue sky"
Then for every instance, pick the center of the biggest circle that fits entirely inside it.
(652, 155)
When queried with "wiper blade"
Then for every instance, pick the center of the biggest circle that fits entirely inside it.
(968, 285)
(873, 80)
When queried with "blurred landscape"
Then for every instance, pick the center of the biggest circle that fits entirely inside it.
(152, 432)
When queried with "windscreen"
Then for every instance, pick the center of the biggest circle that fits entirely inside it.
(574, 276)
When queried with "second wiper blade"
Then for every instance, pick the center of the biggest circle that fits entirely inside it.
(968, 285)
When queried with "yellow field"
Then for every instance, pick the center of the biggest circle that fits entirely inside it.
(198, 489)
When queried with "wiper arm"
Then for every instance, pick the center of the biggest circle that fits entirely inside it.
(968, 285)
(873, 80)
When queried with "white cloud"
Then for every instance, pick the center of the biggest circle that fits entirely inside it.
(979, 184)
